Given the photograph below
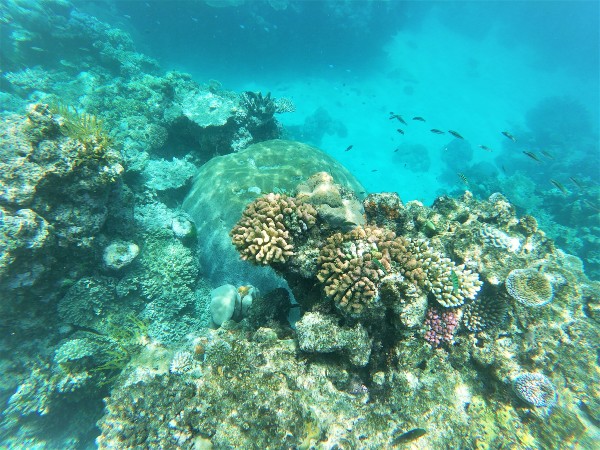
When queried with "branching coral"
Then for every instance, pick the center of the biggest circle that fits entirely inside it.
(529, 287)
(265, 234)
(352, 265)
(485, 312)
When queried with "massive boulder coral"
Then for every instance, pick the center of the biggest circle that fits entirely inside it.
(226, 184)
(265, 233)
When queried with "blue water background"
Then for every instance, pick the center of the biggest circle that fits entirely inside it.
(479, 68)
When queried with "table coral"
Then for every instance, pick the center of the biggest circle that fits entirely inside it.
(265, 233)
(529, 287)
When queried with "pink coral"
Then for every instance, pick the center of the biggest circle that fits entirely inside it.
(441, 326)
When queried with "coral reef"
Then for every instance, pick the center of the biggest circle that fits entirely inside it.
(225, 185)
(54, 192)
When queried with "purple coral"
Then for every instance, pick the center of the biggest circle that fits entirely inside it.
(441, 326)
(535, 389)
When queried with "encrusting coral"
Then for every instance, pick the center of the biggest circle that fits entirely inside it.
(530, 287)
(265, 234)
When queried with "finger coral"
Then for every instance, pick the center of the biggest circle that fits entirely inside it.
(266, 231)
(351, 267)
(529, 287)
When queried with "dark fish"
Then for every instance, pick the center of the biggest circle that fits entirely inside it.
(436, 131)
(409, 436)
(510, 136)
(576, 182)
(349, 148)
(419, 118)
(591, 205)
(546, 154)
(532, 156)
(455, 134)
(486, 148)
(400, 131)
(374, 170)
(559, 186)
(463, 178)
(397, 116)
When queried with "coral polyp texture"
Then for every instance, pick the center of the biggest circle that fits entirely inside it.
(440, 325)
(484, 312)
(535, 389)
(265, 233)
(352, 265)
(530, 287)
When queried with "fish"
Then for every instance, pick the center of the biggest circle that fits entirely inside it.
(374, 170)
(455, 282)
(37, 49)
(436, 131)
(400, 131)
(510, 136)
(559, 186)
(546, 154)
(532, 156)
(419, 118)
(485, 147)
(378, 263)
(349, 148)
(463, 178)
(397, 116)
(455, 134)
(577, 183)
(408, 436)
(395, 150)
(591, 205)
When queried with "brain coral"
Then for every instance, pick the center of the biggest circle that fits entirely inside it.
(529, 287)
(265, 233)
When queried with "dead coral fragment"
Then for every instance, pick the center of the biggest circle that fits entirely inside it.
(265, 233)
(529, 287)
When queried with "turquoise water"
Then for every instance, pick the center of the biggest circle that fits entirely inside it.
(464, 310)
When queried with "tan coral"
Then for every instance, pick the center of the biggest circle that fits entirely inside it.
(265, 233)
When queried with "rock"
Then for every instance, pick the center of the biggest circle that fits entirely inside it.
(120, 254)
(223, 303)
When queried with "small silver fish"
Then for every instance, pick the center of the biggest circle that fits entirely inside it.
(510, 136)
